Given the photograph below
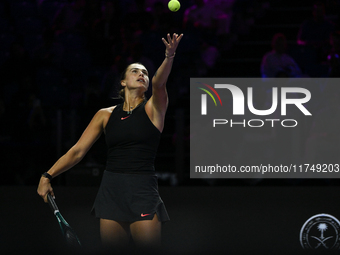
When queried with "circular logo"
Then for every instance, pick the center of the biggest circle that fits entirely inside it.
(320, 232)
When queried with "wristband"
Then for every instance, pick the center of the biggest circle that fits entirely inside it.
(172, 56)
(48, 176)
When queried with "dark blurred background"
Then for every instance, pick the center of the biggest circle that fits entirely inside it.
(61, 62)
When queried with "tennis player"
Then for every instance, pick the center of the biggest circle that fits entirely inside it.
(128, 203)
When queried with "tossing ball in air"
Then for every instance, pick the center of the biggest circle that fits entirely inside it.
(174, 5)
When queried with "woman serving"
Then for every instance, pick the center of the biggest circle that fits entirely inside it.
(128, 202)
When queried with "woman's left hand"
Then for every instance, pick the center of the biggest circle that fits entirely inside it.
(171, 44)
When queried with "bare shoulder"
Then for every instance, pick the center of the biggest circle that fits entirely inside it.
(105, 114)
(107, 110)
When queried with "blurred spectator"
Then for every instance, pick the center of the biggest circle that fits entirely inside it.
(105, 34)
(163, 20)
(334, 55)
(244, 13)
(70, 18)
(225, 14)
(323, 144)
(50, 52)
(277, 63)
(202, 16)
(92, 13)
(317, 30)
(209, 56)
(137, 22)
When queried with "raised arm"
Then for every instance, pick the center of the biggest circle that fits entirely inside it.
(76, 153)
(161, 75)
(157, 105)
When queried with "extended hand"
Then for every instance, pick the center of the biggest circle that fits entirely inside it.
(171, 44)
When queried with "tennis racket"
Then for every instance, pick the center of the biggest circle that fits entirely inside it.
(66, 230)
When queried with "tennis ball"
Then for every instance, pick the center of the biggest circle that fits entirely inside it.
(174, 5)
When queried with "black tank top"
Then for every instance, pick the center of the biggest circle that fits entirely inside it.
(132, 141)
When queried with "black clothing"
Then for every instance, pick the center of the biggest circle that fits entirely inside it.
(132, 141)
(129, 189)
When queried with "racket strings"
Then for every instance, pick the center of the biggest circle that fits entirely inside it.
(71, 237)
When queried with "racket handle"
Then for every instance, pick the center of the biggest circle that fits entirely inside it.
(52, 203)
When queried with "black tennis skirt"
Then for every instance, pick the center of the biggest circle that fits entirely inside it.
(129, 198)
